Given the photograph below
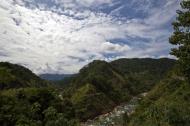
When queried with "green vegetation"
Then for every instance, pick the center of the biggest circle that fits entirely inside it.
(34, 107)
(181, 37)
(26, 100)
(100, 86)
(168, 103)
(143, 74)
(15, 76)
(93, 91)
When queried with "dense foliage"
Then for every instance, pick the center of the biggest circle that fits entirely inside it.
(35, 107)
(15, 76)
(100, 85)
(181, 38)
(26, 100)
(96, 89)
(143, 74)
(168, 103)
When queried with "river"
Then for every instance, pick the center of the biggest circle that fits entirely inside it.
(115, 117)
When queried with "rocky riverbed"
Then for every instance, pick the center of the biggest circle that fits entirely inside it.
(115, 117)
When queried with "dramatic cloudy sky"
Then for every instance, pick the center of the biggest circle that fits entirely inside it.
(61, 36)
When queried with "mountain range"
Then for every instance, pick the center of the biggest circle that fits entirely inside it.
(95, 90)
(99, 86)
(55, 77)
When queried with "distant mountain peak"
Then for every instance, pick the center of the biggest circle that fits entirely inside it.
(54, 77)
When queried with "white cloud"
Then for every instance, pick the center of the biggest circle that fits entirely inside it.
(46, 41)
(162, 15)
(89, 3)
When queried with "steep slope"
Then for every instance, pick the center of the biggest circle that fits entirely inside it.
(143, 74)
(166, 105)
(100, 85)
(35, 107)
(103, 76)
(15, 76)
(27, 100)
(97, 89)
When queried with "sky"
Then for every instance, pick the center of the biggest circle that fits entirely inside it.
(61, 36)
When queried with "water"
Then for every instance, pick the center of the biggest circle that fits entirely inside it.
(115, 117)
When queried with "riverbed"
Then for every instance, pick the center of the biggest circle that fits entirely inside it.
(115, 117)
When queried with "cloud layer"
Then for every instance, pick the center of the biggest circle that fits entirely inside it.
(61, 36)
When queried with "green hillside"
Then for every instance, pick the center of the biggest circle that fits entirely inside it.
(95, 90)
(35, 107)
(100, 85)
(27, 100)
(16, 76)
(143, 74)
(166, 105)
(130, 92)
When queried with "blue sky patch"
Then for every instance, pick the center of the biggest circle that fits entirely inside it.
(68, 34)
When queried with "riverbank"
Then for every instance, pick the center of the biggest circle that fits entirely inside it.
(115, 117)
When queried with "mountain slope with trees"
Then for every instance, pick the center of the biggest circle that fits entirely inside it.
(168, 103)
(27, 100)
(99, 86)
(143, 74)
(96, 89)
(16, 76)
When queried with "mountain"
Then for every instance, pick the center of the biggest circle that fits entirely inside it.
(16, 76)
(167, 104)
(55, 77)
(96, 89)
(26, 99)
(139, 65)
(143, 74)
(99, 86)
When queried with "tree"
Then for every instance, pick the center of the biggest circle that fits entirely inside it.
(181, 38)
(35, 111)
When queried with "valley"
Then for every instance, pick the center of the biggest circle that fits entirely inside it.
(101, 94)
(100, 87)
(117, 115)
(94, 63)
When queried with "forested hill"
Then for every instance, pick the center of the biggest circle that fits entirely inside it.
(167, 104)
(138, 65)
(143, 74)
(96, 89)
(100, 85)
(160, 88)
(16, 76)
